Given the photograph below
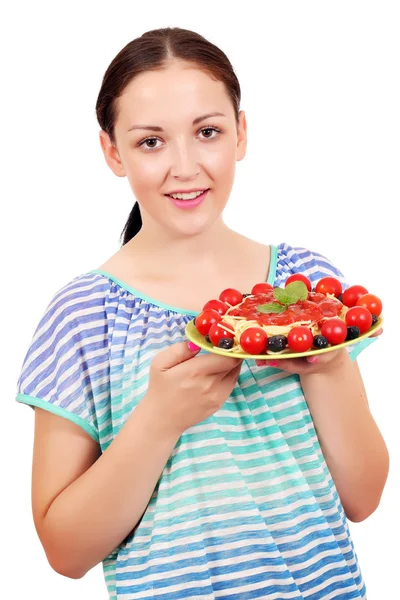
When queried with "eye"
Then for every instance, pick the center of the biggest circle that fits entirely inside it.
(147, 148)
(155, 139)
(211, 129)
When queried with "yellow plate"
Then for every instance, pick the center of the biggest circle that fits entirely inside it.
(196, 337)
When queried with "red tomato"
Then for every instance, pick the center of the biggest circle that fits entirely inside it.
(329, 285)
(261, 288)
(217, 305)
(254, 340)
(299, 277)
(205, 319)
(371, 303)
(352, 294)
(335, 331)
(231, 296)
(218, 331)
(359, 316)
(300, 339)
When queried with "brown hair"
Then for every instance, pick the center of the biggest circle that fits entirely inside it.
(152, 51)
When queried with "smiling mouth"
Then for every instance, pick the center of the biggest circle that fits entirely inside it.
(189, 202)
(202, 192)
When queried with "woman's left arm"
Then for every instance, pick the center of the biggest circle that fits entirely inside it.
(351, 442)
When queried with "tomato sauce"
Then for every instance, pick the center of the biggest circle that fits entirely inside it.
(330, 307)
(315, 308)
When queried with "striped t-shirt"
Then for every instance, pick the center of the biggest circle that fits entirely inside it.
(245, 506)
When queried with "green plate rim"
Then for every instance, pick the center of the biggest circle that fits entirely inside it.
(196, 337)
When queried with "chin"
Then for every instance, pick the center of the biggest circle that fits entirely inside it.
(194, 226)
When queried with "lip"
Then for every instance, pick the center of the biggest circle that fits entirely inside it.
(186, 204)
(187, 191)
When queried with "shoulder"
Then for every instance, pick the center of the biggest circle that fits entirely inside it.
(74, 310)
(298, 259)
(71, 329)
(66, 366)
(79, 295)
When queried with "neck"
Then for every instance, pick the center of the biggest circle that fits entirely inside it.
(208, 250)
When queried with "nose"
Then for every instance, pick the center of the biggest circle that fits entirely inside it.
(184, 162)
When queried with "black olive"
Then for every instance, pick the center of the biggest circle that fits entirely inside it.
(320, 342)
(374, 319)
(352, 333)
(225, 343)
(277, 343)
(207, 338)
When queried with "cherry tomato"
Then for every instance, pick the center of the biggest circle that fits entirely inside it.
(352, 294)
(261, 288)
(371, 303)
(299, 277)
(217, 305)
(329, 285)
(231, 296)
(359, 316)
(335, 331)
(300, 339)
(254, 340)
(205, 319)
(218, 331)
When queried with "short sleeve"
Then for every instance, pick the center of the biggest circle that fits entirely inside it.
(65, 370)
(316, 266)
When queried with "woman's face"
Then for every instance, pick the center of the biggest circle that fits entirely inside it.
(183, 156)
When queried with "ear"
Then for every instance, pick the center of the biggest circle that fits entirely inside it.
(111, 154)
(242, 136)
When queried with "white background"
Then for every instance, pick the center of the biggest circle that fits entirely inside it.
(320, 85)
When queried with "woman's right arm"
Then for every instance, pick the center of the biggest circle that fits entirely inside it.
(86, 503)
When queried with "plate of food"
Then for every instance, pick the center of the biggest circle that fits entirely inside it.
(286, 322)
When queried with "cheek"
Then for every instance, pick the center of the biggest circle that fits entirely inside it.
(146, 167)
(222, 161)
(144, 173)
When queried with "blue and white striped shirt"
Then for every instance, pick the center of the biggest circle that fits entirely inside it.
(245, 507)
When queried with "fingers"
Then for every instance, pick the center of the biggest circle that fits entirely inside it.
(307, 364)
(289, 365)
(215, 363)
(233, 375)
(378, 332)
(267, 363)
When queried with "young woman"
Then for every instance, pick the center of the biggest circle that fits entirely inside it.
(191, 476)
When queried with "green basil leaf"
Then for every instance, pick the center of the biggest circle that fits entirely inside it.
(282, 295)
(273, 307)
(297, 290)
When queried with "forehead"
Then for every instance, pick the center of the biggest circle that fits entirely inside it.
(175, 93)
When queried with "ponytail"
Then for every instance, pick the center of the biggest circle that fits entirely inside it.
(133, 224)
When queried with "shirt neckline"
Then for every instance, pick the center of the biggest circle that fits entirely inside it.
(183, 311)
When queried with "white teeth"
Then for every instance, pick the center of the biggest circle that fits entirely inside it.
(190, 196)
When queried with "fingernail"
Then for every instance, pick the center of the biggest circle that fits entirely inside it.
(192, 347)
(267, 363)
(312, 359)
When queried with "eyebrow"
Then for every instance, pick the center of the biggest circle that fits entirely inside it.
(197, 120)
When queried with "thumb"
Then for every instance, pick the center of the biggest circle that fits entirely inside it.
(175, 354)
